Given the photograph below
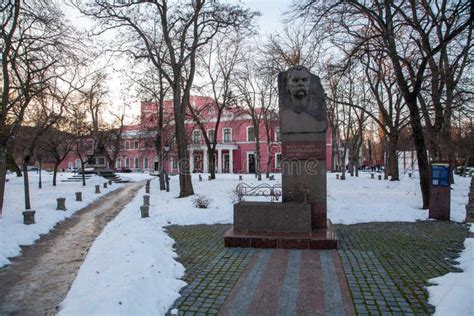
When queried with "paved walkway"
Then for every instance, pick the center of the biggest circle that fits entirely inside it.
(379, 269)
(291, 282)
(38, 280)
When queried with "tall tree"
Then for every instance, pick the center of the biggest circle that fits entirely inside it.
(34, 39)
(256, 91)
(151, 86)
(406, 32)
(182, 29)
(220, 67)
(94, 95)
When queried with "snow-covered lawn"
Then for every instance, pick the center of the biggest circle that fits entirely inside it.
(131, 265)
(14, 233)
(453, 293)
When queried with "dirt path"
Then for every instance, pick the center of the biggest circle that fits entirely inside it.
(37, 281)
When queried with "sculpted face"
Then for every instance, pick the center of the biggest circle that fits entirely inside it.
(298, 84)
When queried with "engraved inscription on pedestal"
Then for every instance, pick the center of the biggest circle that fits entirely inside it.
(304, 150)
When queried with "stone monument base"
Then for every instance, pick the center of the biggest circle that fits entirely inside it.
(320, 239)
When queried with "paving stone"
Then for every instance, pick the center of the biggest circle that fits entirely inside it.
(387, 265)
(211, 269)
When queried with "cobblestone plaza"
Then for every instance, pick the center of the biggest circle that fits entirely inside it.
(386, 265)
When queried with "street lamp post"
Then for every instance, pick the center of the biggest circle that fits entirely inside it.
(166, 148)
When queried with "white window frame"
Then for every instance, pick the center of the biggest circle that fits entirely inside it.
(127, 162)
(136, 161)
(136, 144)
(223, 135)
(145, 163)
(211, 130)
(127, 144)
(247, 134)
(118, 162)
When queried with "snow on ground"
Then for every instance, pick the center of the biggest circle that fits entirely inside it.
(14, 233)
(453, 293)
(132, 263)
(129, 270)
(358, 200)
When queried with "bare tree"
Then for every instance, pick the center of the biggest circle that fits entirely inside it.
(94, 95)
(270, 123)
(34, 39)
(40, 118)
(298, 44)
(223, 56)
(57, 144)
(406, 32)
(346, 111)
(150, 85)
(182, 29)
(112, 138)
(80, 128)
(256, 90)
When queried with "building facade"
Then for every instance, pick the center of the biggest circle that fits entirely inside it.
(236, 149)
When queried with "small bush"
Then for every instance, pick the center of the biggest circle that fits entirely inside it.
(202, 201)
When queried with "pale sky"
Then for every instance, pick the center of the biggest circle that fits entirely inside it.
(272, 13)
(270, 21)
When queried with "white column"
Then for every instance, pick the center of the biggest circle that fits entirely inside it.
(205, 166)
(219, 161)
(191, 160)
(231, 161)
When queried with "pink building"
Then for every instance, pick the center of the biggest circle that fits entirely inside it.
(235, 150)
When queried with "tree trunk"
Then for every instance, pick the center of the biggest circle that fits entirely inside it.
(26, 183)
(269, 160)
(185, 182)
(343, 160)
(356, 164)
(83, 174)
(419, 140)
(162, 179)
(3, 174)
(212, 163)
(335, 150)
(161, 159)
(55, 173)
(161, 170)
(257, 149)
(351, 160)
(392, 159)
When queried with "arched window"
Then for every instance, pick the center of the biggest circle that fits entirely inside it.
(127, 162)
(135, 163)
(118, 163)
(145, 163)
